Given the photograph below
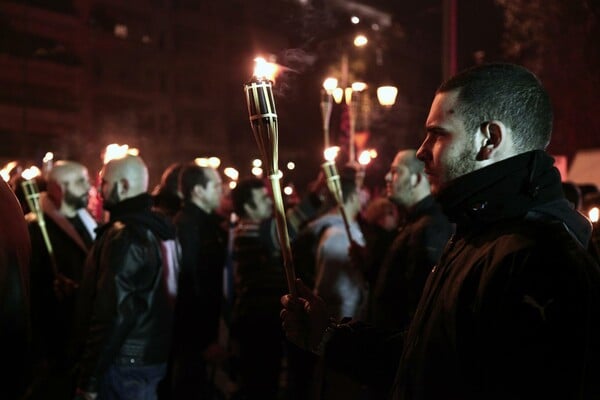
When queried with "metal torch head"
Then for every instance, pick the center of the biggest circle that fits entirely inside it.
(32, 195)
(333, 180)
(263, 120)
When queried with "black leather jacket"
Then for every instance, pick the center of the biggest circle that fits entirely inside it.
(128, 291)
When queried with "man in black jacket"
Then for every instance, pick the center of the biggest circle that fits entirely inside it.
(203, 246)
(512, 310)
(128, 291)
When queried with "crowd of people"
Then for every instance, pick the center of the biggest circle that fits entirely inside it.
(473, 277)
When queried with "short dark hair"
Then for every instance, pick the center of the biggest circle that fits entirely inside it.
(242, 194)
(508, 93)
(191, 175)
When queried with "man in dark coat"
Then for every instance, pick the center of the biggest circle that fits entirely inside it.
(15, 328)
(127, 296)
(512, 310)
(198, 310)
(70, 229)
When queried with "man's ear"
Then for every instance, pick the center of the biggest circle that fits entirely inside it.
(415, 179)
(124, 186)
(492, 133)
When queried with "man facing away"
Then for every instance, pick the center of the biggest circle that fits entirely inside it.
(70, 229)
(203, 246)
(128, 291)
(512, 309)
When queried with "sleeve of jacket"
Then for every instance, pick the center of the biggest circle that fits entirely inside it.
(115, 305)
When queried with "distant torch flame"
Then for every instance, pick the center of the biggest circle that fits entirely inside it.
(115, 151)
(594, 214)
(331, 153)
(5, 171)
(31, 172)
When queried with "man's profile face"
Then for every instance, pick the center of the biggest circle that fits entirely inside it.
(262, 207)
(214, 189)
(448, 151)
(76, 187)
(398, 181)
(109, 188)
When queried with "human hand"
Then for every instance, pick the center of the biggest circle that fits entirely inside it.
(304, 318)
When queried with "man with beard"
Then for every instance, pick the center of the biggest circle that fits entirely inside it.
(512, 310)
(125, 313)
(53, 293)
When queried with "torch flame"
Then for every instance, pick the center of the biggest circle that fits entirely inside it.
(594, 214)
(31, 172)
(5, 171)
(331, 153)
(264, 69)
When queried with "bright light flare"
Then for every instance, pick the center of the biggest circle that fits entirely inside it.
(210, 162)
(257, 162)
(257, 171)
(358, 86)
(288, 190)
(360, 40)
(331, 153)
(291, 165)
(115, 151)
(232, 185)
(354, 19)
(231, 173)
(373, 153)
(364, 158)
(338, 94)
(5, 171)
(329, 84)
(387, 95)
(594, 214)
(264, 69)
(31, 172)
(48, 157)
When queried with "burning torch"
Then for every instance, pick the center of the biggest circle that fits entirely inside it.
(334, 184)
(263, 120)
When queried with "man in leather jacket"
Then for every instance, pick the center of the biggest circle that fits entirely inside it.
(128, 290)
(512, 310)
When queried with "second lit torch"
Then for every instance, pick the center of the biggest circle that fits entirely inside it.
(263, 120)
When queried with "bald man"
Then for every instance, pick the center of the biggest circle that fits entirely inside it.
(128, 291)
(53, 293)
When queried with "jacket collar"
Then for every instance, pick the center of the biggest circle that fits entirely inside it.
(513, 188)
(63, 223)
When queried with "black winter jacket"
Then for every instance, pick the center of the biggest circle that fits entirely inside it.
(128, 291)
(512, 310)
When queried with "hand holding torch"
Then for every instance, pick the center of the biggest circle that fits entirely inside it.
(263, 120)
